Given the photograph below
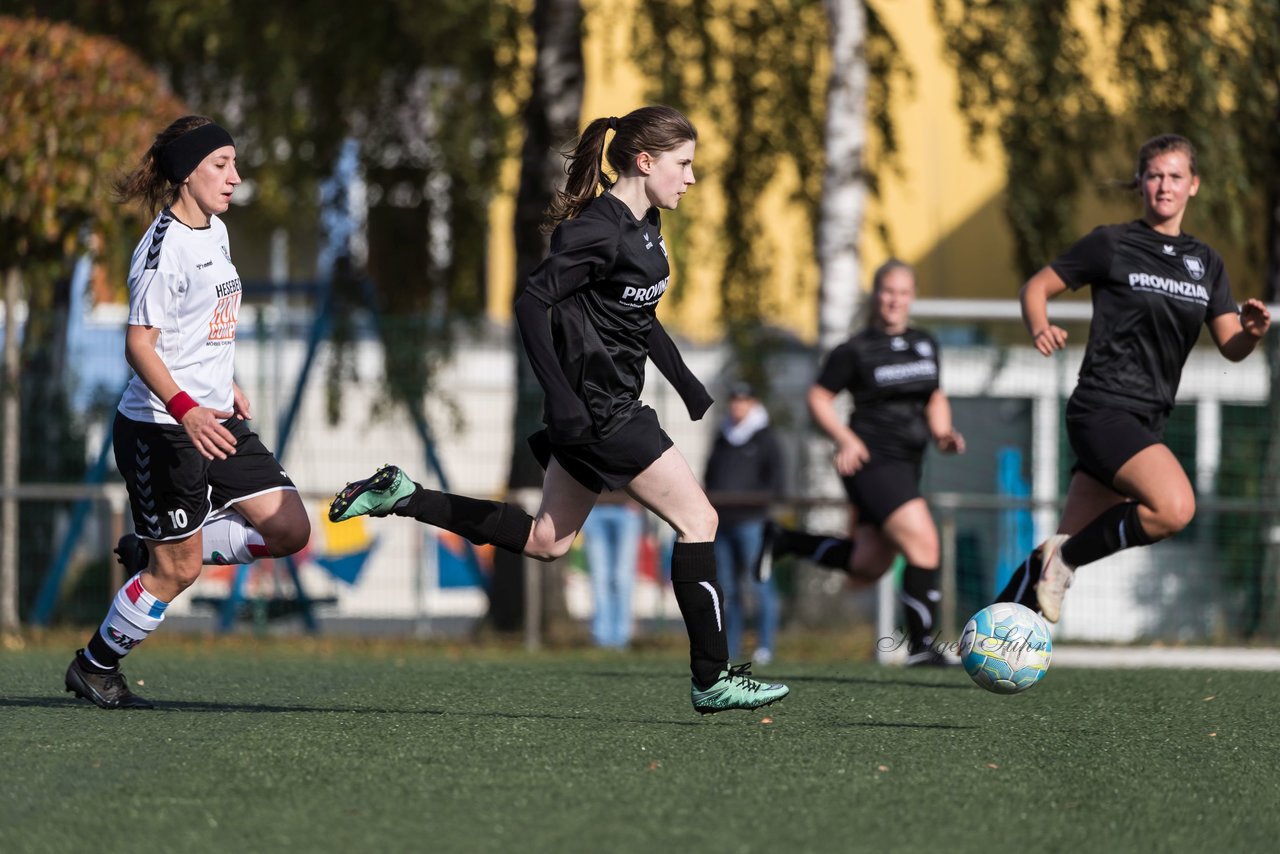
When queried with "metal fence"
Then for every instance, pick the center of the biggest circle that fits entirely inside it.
(1209, 584)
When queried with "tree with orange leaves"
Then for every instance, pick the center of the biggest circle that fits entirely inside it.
(75, 111)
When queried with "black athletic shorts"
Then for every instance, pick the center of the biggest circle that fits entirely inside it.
(881, 486)
(612, 462)
(173, 488)
(1105, 437)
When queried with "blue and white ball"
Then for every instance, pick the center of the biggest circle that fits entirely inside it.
(1006, 648)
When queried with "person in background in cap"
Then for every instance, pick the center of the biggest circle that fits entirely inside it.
(744, 476)
(203, 488)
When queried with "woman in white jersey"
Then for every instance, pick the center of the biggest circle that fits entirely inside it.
(202, 487)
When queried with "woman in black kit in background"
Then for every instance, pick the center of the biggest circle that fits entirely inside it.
(587, 320)
(1154, 285)
(891, 370)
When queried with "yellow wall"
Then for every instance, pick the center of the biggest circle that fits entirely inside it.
(944, 212)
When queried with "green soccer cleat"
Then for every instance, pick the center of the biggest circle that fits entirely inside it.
(735, 689)
(373, 496)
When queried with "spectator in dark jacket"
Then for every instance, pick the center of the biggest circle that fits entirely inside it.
(744, 476)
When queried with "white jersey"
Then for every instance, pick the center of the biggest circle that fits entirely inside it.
(182, 281)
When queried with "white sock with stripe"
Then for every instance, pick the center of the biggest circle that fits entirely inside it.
(134, 615)
(230, 540)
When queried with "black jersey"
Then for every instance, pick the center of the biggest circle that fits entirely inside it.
(1151, 293)
(891, 378)
(602, 282)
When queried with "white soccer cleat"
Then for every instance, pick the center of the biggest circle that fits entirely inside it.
(1055, 578)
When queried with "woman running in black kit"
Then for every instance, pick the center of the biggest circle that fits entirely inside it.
(587, 319)
(1153, 287)
(891, 370)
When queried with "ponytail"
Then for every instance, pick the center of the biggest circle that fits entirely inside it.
(652, 129)
(584, 170)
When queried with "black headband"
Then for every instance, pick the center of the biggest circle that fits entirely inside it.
(180, 157)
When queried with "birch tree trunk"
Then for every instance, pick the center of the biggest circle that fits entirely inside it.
(844, 192)
(844, 186)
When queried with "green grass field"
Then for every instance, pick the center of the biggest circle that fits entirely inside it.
(310, 747)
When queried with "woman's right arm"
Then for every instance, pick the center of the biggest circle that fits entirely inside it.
(202, 424)
(1035, 296)
(850, 452)
(567, 416)
(582, 250)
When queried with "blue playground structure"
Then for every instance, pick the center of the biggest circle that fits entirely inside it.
(339, 226)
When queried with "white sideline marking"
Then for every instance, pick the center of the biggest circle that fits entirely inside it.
(1215, 658)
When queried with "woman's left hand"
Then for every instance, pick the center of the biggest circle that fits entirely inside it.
(950, 442)
(1254, 318)
(240, 403)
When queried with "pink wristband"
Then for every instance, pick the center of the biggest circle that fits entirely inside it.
(179, 405)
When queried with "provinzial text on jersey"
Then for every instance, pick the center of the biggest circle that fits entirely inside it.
(1170, 287)
(634, 296)
(887, 374)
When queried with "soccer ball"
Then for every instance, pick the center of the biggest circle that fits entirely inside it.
(1006, 647)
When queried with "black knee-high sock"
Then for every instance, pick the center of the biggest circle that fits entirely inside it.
(1021, 587)
(1115, 528)
(693, 577)
(920, 598)
(828, 552)
(481, 522)
(101, 656)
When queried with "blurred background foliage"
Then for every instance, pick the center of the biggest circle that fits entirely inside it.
(415, 85)
(439, 96)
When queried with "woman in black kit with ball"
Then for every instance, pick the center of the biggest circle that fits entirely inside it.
(1153, 286)
(891, 370)
(587, 318)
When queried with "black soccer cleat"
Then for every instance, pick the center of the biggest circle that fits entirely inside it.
(132, 553)
(106, 690)
(931, 657)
